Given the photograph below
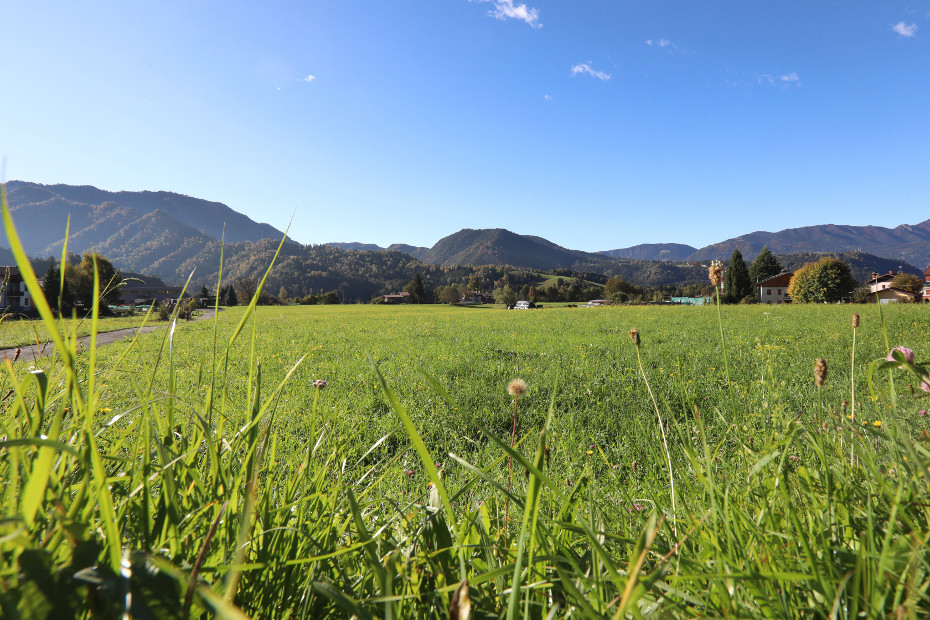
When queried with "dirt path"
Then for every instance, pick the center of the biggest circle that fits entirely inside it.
(33, 352)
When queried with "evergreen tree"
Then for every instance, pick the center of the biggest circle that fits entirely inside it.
(416, 290)
(204, 291)
(56, 292)
(737, 284)
(230, 298)
(764, 266)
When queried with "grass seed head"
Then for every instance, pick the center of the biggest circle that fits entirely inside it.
(634, 336)
(820, 371)
(516, 388)
(855, 320)
(715, 272)
(319, 384)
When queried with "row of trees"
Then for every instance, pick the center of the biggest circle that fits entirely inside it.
(739, 280)
(76, 289)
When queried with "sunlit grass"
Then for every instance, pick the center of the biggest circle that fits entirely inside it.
(199, 471)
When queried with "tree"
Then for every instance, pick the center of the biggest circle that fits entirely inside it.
(532, 293)
(907, 282)
(737, 284)
(506, 295)
(56, 291)
(204, 291)
(827, 280)
(474, 283)
(450, 295)
(332, 297)
(619, 290)
(416, 290)
(230, 298)
(80, 280)
(245, 289)
(764, 266)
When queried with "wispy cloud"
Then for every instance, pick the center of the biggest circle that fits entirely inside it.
(309, 78)
(506, 9)
(905, 30)
(671, 48)
(585, 69)
(788, 79)
(548, 98)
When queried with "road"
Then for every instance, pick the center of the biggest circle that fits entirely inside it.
(33, 352)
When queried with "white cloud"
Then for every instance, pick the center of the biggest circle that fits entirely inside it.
(309, 78)
(670, 47)
(585, 69)
(785, 80)
(506, 9)
(905, 30)
(548, 98)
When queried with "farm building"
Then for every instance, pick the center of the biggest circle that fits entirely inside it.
(926, 291)
(397, 298)
(775, 289)
(890, 295)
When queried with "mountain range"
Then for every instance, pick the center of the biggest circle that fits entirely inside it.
(167, 235)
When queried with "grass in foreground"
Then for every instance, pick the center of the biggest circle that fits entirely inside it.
(198, 471)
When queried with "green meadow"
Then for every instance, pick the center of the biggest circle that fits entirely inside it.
(200, 472)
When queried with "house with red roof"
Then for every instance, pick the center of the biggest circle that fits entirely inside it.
(774, 290)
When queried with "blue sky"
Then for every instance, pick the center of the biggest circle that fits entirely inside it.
(595, 124)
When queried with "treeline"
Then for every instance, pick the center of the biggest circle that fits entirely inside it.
(75, 291)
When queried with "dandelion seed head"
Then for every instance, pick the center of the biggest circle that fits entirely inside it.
(516, 388)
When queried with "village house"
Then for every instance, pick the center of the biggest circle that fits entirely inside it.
(879, 282)
(926, 291)
(477, 297)
(397, 298)
(774, 290)
(14, 295)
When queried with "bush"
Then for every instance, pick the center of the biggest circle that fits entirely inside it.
(828, 280)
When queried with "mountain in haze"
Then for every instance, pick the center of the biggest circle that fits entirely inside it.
(354, 245)
(910, 243)
(654, 251)
(150, 232)
(414, 251)
(36, 200)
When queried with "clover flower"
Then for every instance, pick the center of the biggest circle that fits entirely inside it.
(907, 353)
(319, 384)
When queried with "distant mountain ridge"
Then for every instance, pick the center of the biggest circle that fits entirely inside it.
(654, 251)
(205, 216)
(150, 232)
(910, 243)
(167, 235)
